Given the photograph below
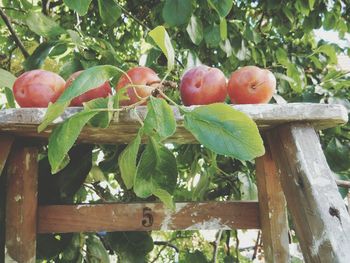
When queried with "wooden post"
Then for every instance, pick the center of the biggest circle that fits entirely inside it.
(321, 221)
(21, 204)
(273, 214)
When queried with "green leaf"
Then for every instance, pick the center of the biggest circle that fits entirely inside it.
(96, 252)
(329, 51)
(88, 79)
(109, 11)
(212, 35)
(338, 155)
(156, 170)
(329, 21)
(162, 39)
(196, 257)
(37, 59)
(76, 39)
(6, 78)
(131, 247)
(43, 25)
(296, 74)
(195, 30)
(165, 197)
(102, 119)
(80, 6)
(311, 4)
(239, 135)
(160, 119)
(222, 7)
(177, 12)
(10, 98)
(282, 56)
(127, 161)
(64, 136)
(223, 29)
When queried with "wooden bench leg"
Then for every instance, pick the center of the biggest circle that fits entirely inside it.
(321, 221)
(21, 204)
(273, 214)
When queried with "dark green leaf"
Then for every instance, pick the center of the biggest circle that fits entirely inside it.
(196, 257)
(127, 162)
(39, 55)
(6, 78)
(177, 12)
(96, 252)
(338, 155)
(329, 51)
(156, 170)
(64, 136)
(195, 30)
(212, 35)
(162, 39)
(109, 11)
(282, 56)
(73, 252)
(131, 247)
(239, 135)
(80, 6)
(330, 21)
(222, 7)
(160, 119)
(51, 245)
(43, 25)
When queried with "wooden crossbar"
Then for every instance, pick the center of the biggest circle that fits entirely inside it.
(147, 216)
(24, 122)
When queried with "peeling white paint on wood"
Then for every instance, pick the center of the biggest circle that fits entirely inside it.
(212, 224)
(18, 198)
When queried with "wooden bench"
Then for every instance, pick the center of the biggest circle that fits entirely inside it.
(293, 171)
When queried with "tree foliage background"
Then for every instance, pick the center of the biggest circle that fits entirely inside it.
(67, 36)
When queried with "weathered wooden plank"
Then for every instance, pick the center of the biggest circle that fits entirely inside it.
(321, 221)
(21, 205)
(6, 142)
(273, 213)
(24, 122)
(147, 216)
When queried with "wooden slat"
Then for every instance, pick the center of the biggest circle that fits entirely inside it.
(24, 122)
(6, 142)
(135, 217)
(273, 212)
(321, 221)
(21, 205)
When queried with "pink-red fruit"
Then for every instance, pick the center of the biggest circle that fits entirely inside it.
(36, 88)
(139, 76)
(203, 85)
(251, 85)
(101, 91)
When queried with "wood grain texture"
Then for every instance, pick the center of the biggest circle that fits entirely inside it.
(21, 205)
(321, 221)
(25, 121)
(129, 217)
(273, 212)
(6, 142)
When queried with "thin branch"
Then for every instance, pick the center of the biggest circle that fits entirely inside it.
(343, 183)
(216, 244)
(228, 236)
(256, 245)
(13, 33)
(164, 244)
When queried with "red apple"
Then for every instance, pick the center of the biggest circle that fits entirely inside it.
(36, 88)
(138, 76)
(251, 85)
(100, 92)
(203, 85)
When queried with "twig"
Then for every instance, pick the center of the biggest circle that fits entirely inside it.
(237, 243)
(164, 244)
(228, 236)
(256, 245)
(13, 33)
(343, 183)
(216, 244)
